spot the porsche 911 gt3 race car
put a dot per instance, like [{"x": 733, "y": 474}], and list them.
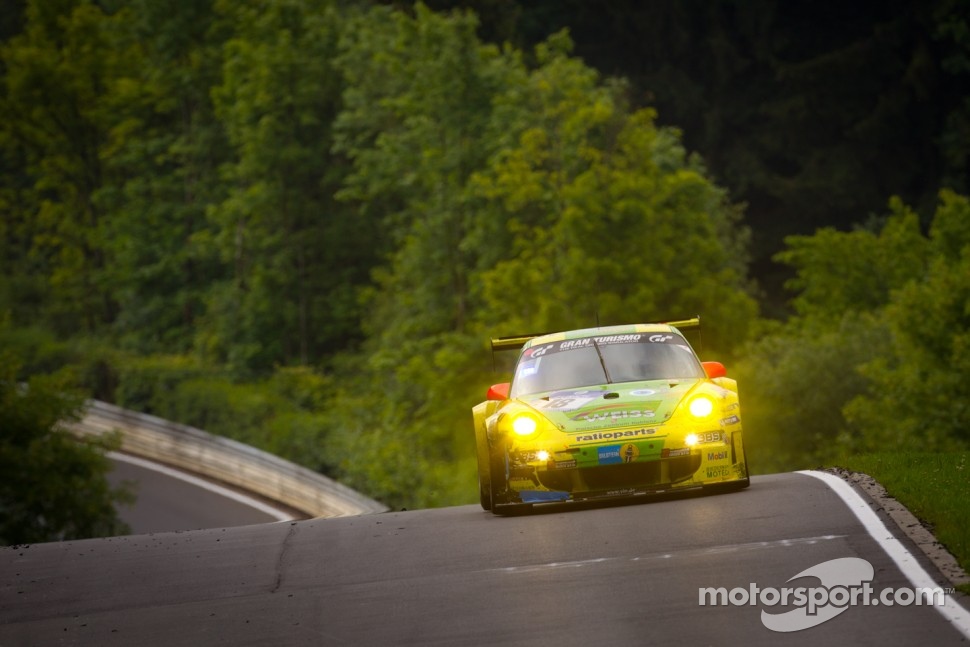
[{"x": 607, "y": 412}]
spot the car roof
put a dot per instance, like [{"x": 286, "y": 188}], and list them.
[{"x": 603, "y": 331}]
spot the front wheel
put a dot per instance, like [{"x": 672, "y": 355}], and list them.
[
  {"x": 485, "y": 493},
  {"x": 498, "y": 480},
  {"x": 512, "y": 509},
  {"x": 747, "y": 474}
]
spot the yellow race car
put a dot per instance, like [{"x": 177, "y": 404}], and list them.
[{"x": 607, "y": 412}]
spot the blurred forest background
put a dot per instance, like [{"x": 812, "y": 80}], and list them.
[{"x": 298, "y": 222}]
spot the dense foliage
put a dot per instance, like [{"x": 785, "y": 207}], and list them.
[
  {"x": 297, "y": 222},
  {"x": 876, "y": 357},
  {"x": 812, "y": 112},
  {"x": 53, "y": 486}
]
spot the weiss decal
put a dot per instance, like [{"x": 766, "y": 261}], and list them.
[{"x": 614, "y": 416}]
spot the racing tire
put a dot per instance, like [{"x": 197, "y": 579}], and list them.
[
  {"x": 498, "y": 483},
  {"x": 725, "y": 488},
  {"x": 499, "y": 491},
  {"x": 512, "y": 509},
  {"x": 746, "y": 482},
  {"x": 485, "y": 493}
]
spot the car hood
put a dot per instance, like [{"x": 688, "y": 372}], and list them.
[{"x": 611, "y": 405}]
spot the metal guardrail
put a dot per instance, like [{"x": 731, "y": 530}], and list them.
[{"x": 226, "y": 460}]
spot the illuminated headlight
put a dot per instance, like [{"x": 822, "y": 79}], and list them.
[
  {"x": 691, "y": 440},
  {"x": 701, "y": 406},
  {"x": 524, "y": 425},
  {"x": 542, "y": 455}
]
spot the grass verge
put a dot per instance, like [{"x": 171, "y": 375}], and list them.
[{"x": 933, "y": 486}]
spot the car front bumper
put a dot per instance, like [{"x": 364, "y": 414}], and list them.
[{"x": 612, "y": 470}]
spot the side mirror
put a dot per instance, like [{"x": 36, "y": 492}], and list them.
[
  {"x": 498, "y": 392},
  {"x": 714, "y": 369}
]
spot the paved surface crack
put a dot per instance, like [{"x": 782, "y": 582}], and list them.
[{"x": 281, "y": 558}]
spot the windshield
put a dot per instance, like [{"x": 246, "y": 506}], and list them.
[{"x": 604, "y": 360}]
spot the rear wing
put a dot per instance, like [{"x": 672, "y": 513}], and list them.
[
  {"x": 516, "y": 342},
  {"x": 685, "y": 324},
  {"x": 690, "y": 324}
]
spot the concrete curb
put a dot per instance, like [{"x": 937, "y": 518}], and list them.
[{"x": 908, "y": 524}]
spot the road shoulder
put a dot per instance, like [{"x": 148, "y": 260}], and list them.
[{"x": 908, "y": 524}]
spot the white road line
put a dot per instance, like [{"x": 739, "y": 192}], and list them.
[
  {"x": 279, "y": 515},
  {"x": 696, "y": 552},
  {"x": 907, "y": 563}
]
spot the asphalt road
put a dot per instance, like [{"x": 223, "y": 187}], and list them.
[
  {"x": 168, "y": 499},
  {"x": 618, "y": 575}
]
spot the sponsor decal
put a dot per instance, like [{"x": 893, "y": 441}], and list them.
[
  {"x": 615, "y": 412},
  {"x": 711, "y": 437},
  {"x": 575, "y": 343},
  {"x": 527, "y": 368},
  {"x": 673, "y": 453},
  {"x": 563, "y": 403},
  {"x": 562, "y": 465},
  {"x": 606, "y": 340},
  {"x": 641, "y": 392},
  {"x": 613, "y": 435},
  {"x": 609, "y": 455},
  {"x": 573, "y": 393},
  {"x": 572, "y": 344},
  {"x": 732, "y": 420},
  {"x": 717, "y": 456},
  {"x": 538, "y": 351},
  {"x": 616, "y": 415},
  {"x": 624, "y": 492},
  {"x": 630, "y": 452},
  {"x": 618, "y": 339},
  {"x": 718, "y": 471}
]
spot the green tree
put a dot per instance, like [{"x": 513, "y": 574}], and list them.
[
  {"x": 53, "y": 485},
  {"x": 795, "y": 381},
  {"x": 297, "y": 256},
  {"x": 416, "y": 106},
  {"x": 611, "y": 221},
  {"x": 418, "y": 99},
  {"x": 53, "y": 122},
  {"x": 163, "y": 152},
  {"x": 810, "y": 114},
  {"x": 917, "y": 395},
  {"x": 839, "y": 271},
  {"x": 953, "y": 30},
  {"x": 876, "y": 356}
]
